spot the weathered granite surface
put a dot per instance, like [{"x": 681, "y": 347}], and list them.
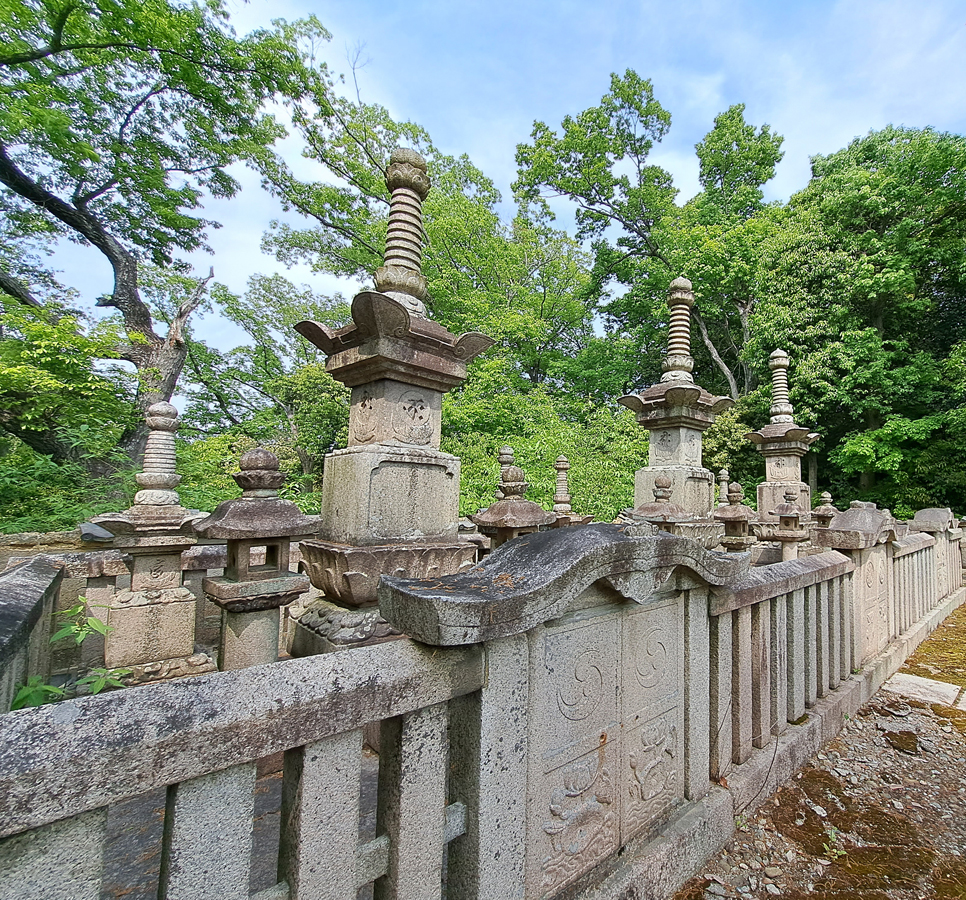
[{"x": 535, "y": 578}]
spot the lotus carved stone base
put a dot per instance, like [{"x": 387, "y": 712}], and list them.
[{"x": 349, "y": 575}]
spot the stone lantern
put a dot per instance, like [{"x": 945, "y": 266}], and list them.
[
  {"x": 514, "y": 515},
  {"x": 676, "y": 411},
  {"x": 251, "y": 593},
  {"x": 790, "y": 532},
  {"x": 667, "y": 516},
  {"x": 824, "y": 513},
  {"x": 737, "y": 519},
  {"x": 783, "y": 444}
]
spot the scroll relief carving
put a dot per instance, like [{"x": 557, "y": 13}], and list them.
[
  {"x": 583, "y": 824},
  {"x": 587, "y": 690},
  {"x": 651, "y": 664},
  {"x": 412, "y": 420}
]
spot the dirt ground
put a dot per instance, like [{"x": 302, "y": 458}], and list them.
[{"x": 879, "y": 814}]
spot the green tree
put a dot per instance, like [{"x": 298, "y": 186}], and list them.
[
  {"x": 116, "y": 117},
  {"x": 866, "y": 291},
  {"x": 274, "y": 390}
]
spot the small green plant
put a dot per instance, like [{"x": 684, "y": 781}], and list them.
[
  {"x": 37, "y": 692},
  {"x": 832, "y": 847},
  {"x": 80, "y": 626},
  {"x": 101, "y": 679},
  {"x": 741, "y": 823}
]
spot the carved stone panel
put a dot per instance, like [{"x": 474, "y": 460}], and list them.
[
  {"x": 606, "y": 734},
  {"x": 390, "y": 412},
  {"x": 380, "y": 493},
  {"x": 653, "y": 772},
  {"x": 581, "y": 821},
  {"x": 652, "y": 714},
  {"x": 575, "y": 672},
  {"x": 675, "y": 446}
]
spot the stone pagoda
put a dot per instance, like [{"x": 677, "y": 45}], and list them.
[
  {"x": 783, "y": 444},
  {"x": 152, "y": 624},
  {"x": 676, "y": 412},
  {"x": 390, "y": 500}
]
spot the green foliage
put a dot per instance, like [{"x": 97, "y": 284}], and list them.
[
  {"x": 132, "y": 109},
  {"x": 36, "y": 692},
  {"x": 38, "y": 494},
  {"x": 100, "y": 679},
  {"x": 604, "y": 446},
  {"x": 49, "y": 374},
  {"x": 78, "y": 625}
]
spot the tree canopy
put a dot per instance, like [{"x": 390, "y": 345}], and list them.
[{"x": 119, "y": 118}]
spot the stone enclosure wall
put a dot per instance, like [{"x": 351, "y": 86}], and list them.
[{"x": 581, "y": 715}]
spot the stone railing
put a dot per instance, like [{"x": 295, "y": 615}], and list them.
[
  {"x": 63, "y": 766},
  {"x": 781, "y": 639},
  {"x": 562, "y": 724},
  {"x": 915, "y": 585}
]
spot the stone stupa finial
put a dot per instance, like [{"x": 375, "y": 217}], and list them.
[
  {"x": 158, "y": 478},
  {"x": 561, "y": 497},
  {"x": 401, "y": 274},
  {"x": 678, "y": 364},
  {"x": 781, "y": 410}
]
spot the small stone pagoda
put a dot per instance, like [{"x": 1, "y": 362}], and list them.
[
  {"x": 783, "y": 444},
  {"x": 152, "y": 624},
  {"x": 390, "y": 500},
  {"x": 514, "y": 514},
  {"x": 676, "y": 412}
]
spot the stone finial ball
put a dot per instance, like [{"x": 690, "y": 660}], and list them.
[
  {"x": 663, "y": 482},
  {"x": 778, "y": 358},
  {"x": 680, "y": 284},
  {"x": 791, "y": 495},
  {"x": 735, "y": 488},
  {"x": 163, "y": 410},
  {"x": 407, "y": 156},
  {"x": 258, "y": 459},
  {"x": 562, "y": 462},
  {"x": 826, "y": 498}
]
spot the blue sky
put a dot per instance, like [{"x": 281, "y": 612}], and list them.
[{"x": 477, "y": 74}]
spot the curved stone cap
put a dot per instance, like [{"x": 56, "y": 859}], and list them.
[
  {"x": 252, "y": 518},
  {"x": 857, "y": 528},
  {"x": 513, "y": 512},
  {"x": 385, "y": 341},
  {"x": 666, "y": 398},
  {"x": 934, "y": 519},
  {"x": 785, "y": 432},
  {"x": 537, "y": 577}
]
